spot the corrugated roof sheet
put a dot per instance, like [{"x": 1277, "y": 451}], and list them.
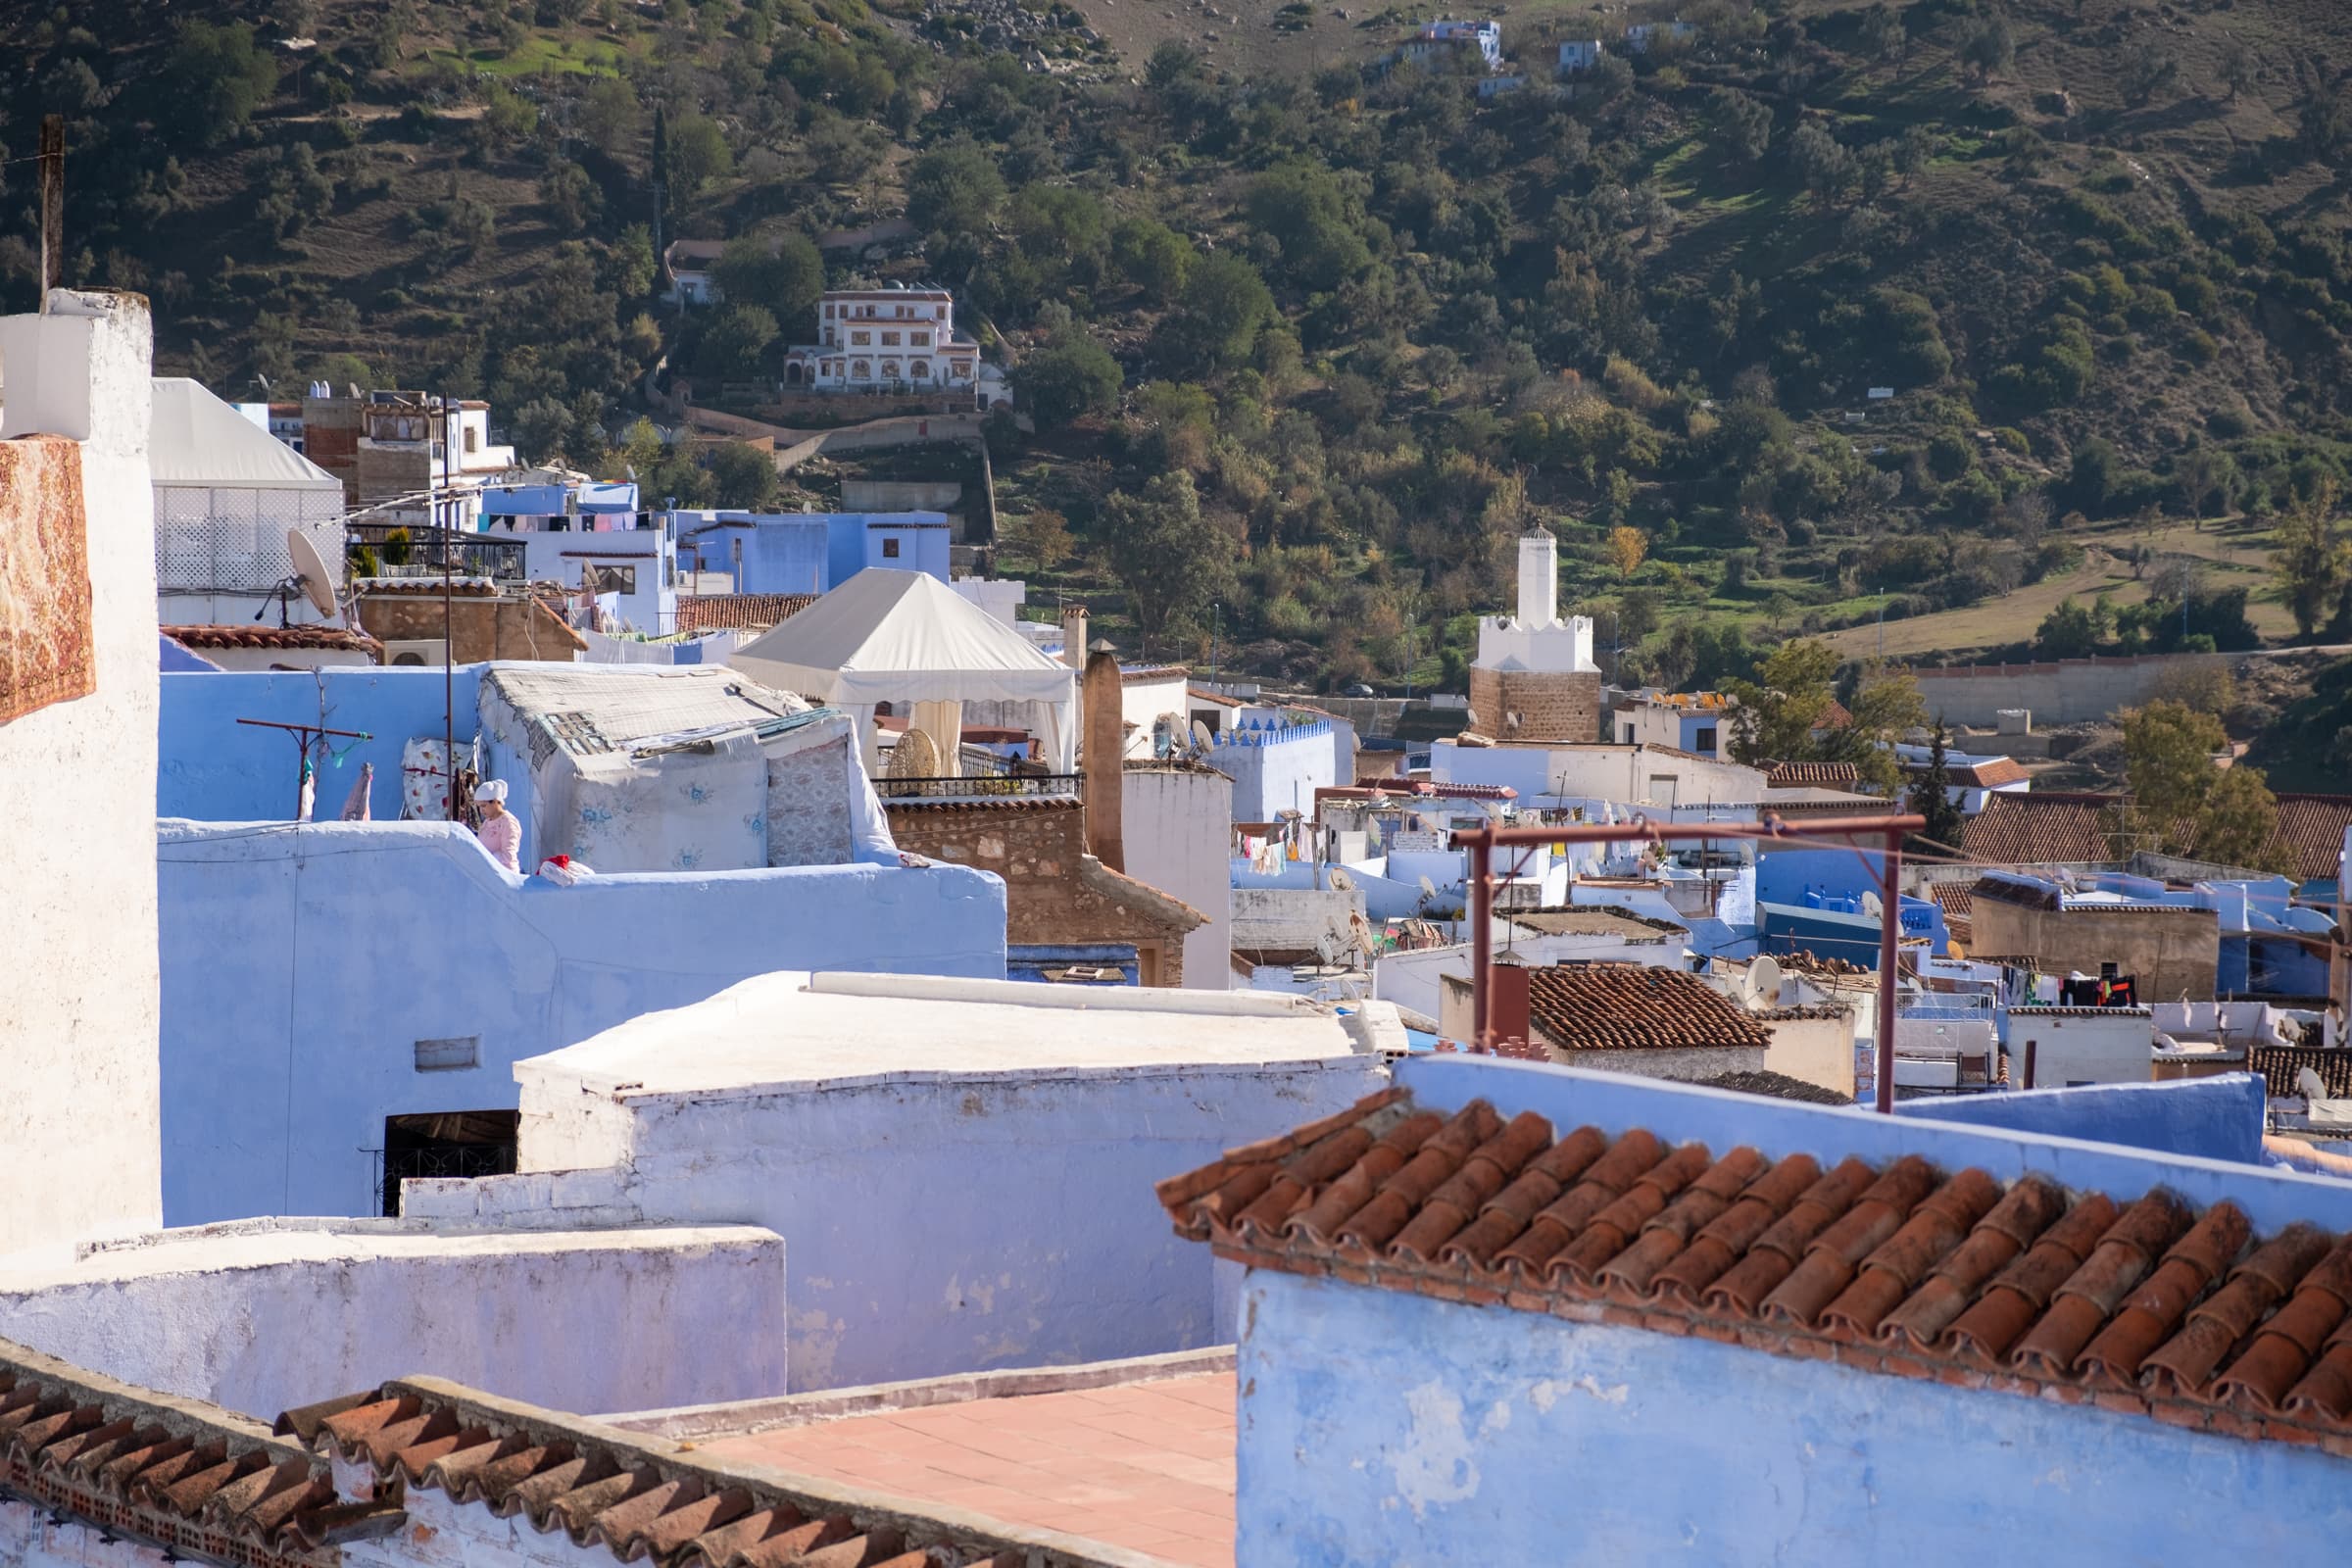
[
  {"x": 1631, "y": 1007},
  {"x": 2136, "y": 1303}
]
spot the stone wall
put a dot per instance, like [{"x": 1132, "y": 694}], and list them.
[
  {"x": 479, "y": 628},
  {"x": 2173, "y": 951},
  {"x": 1054, "y": 893},
  {"x": 1562, "y": 706},
  {"x": 2070, "y": 690}
]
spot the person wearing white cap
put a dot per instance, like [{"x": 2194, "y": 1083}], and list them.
[{"x": 500, "y": 833}]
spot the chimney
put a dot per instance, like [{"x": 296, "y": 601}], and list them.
[
  {"x": 1106, "y": 760},
  {"x": 1073, "y": 636},
  {"x": 1508, "y": 1011},
  {"x": 1538, "y": 579}
]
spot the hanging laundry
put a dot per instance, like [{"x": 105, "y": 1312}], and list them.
[
  {"x": 357, "y": 809},
  {"x": 309, "y": 789}
]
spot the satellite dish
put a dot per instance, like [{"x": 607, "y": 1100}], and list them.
[
  {"x": 1764, "y": 981},
  {"x": 1872, "y": 907},
  {"x": 1340, "y": 881},
  {"x": 310, "y": 567},
  {"x": 2309, "y": 1082},
  {"x": 1200, "y": 735},
  {"x": 1429, "y": 889}
]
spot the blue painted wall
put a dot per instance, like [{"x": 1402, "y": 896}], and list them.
[
  {"x": 215, "y": 769},
  {"x": 2214, "y": 1118},
  {"x": 923, "y": 548},
  {"x": 1380, "y": 1426},
  {"x": 300, "y": 965}
]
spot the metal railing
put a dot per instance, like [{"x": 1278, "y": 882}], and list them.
[
  {"x": 470, "y": 555},
  {"x": 984, "y": 787}
]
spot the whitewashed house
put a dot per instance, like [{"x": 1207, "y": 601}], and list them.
[{"x": 885, "y": 340}]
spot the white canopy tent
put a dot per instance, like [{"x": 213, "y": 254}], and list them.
[
  {"x": 906, "y": 638},
  {"x": 227, "y": 494}
]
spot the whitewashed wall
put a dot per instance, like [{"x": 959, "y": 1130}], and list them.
[{"x": 79, "y": 1003}]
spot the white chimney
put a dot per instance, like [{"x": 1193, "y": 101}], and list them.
[
  {"x": 1539, "y": 580},
  {"x": 1073, "y": 636}
]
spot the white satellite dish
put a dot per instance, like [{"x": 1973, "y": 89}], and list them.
[
  {"x": 1871, "y": 906},
  {"x": 1201, "y": 739},
  {"x": 1340, "y": 881},
  {"x": 1429, "y": 889},
  {"x": 311, "y": 570},
  {"x": 1764, "y": 981},
  {"x": 2309, "y": 1082}
]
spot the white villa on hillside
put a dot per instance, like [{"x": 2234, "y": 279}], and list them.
[{"x": 886, "y": 340}]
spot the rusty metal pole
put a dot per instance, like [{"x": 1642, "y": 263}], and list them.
[
  {"x": 1482, "y": 941},
  {"x": 1889, "y": 922}
]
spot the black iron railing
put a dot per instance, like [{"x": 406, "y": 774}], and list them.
[
  {"x": 470, "y": 555},
  {"x": 986, "y": 787}
]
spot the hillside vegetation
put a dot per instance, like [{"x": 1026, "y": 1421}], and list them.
[{"x": 1307, "y": 343}]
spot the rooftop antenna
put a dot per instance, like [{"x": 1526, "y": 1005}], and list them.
[{"x": 52, "y": 178}]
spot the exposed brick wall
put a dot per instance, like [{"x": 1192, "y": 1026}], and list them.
[
  {"x": 1561, "y": 706},
  {"x": 1037, "y": 847}
]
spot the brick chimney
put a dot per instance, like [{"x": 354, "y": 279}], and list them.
[
  {"x": 1073, "y": 636},
  {"x": 1105, "y": 762}
]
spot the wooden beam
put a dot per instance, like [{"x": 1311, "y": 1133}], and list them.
[{"x": 53, "y": 204}]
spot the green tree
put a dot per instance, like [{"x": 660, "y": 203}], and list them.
[
  {"x": 783, "y": 277},
  {"x": 1044, "y": 535},
  {"x": 744, "y": 477},
  {"x": 1224, "y": 307},
  {"x": 1308, "y": 211},
  {"x": 1742, "y": 123},
  {"x": 2182, "y": 803},
  {"x": 1071, "y": 376},
  {"x": 1784, "y": 705},
  {"x": 1989, "y": 49},
  {"x": 2145, "y": 71},
  {"x": 1885, "y": 707},
  {"x": 212, "y": 80},
  {"x": 737, "y": 339},
  {"x": 1883, "y": 35},
  {"x": 610, "y": 116},
  {"x": 954, "y": 189},
  {"x": 2312, "y": 559},
  {"x": 1172, "y": 560},
  {"x": 1151, "y": 255},
  {"x": 1931, "y": 798},
  {"x": 698, "y": 154},
  {"x": 1822, "y": 162},
  {"x": 2237, "y": 65}
]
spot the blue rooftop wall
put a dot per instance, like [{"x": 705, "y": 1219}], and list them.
[
  {"x": 214, "y": 770},
  {"x": 300, "y": 965},
  {"x": 2213, "y": 1118},
  {"x": 1379, "y": 1426}
]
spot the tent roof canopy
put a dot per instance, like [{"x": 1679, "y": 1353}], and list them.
[
  {"x": 196, "y": 439},
  {"x": 901, "y": 636}
]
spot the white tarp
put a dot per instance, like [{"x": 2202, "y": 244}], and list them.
[
  {"x": 904, "y": 637},
  {"x": 194, "y": 438}
]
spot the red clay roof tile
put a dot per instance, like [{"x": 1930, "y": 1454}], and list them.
[
  {"x": 738, "y": 612},
  {"x": 1629, "y": 1006},
  {"x": 606, "y": 1489},
  {"x": 2143, "y": 1306}
]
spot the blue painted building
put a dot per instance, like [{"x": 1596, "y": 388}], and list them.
[
  {"x": 1277, "y": 761},
  {"x": 814, "y": 551},
  {"x": 597, "y": 501},
  {"x": 1613, "y": 1321}
]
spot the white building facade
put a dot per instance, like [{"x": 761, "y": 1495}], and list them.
[{"x": 885, "y": 340}]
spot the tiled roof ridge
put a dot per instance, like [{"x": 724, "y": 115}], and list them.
[
  {"x": 2138, "y": 1305},
  {"x": 638, "y": 1497},
  {"x": 1810, "y": 1009},
  {"x": 1782, "y": 776},
  {"x": 1136, "y": 894},
  {"x": 738, "y": 612},
  {"x": 230, "y": 636},
  {"x": 189, "y": 1477},
  {"x": 1605, "y": 1006}
]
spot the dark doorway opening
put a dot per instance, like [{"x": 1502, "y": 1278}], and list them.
[{"x": 444, "y": 1143}]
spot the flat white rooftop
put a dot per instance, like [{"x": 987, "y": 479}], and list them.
[{"x": 798, "y": 1031}]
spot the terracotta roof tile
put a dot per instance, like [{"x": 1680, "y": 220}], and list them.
[
  {"x": 2041, "y": 826},
  {"x": 2280, "y": 1064},
  {"x": 2145, "y": 1305},
  {"x": 1628, "y": 1006},
  {"x": 738, "y": 612},
  {"x": 1991, "y": 773},
  {"x": 1956, "y": 900},
  {"x": 268, "y": 637},
  {"x": 635, "y": 1498},
  {"x": 1791, "y": 775},
  {"x": 2310, "y": 834},
  {"x": 166, "y": 1472}
]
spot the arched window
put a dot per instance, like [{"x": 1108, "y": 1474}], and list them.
[
  {"x": 861, "y": 371},
  {"x": 920, "y": 370}
]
